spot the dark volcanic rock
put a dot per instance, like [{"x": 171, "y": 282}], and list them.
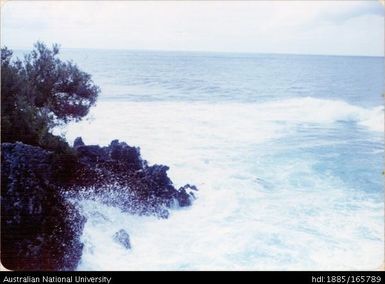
[
  {"x": 78, "y": 142},
  {"x": 89, "y": 154},
  {"x": 123, "y": 238},
  {"x": 158, "y": 175},
  {"x": 39, "y": 229},
  {"x": 138, "y": 188},
  {"x": 126, "y": 154}
]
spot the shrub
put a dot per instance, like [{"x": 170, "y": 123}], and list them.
[{"x": 41, "y": 92}]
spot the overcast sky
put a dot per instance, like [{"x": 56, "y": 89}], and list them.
[{"x": 303, "y": 27}]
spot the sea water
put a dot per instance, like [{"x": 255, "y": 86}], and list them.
[{"x": 286, "y": 150}]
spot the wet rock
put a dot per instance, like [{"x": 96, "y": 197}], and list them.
[
  {"x": 90, "y": 154},
  {"x": 39, "y": 229},
  {"x": 120, "y": 151},
  {"x": 123, "y": 238},
  {"x": 78, "y": 142},
  {"x": 185, "y": 196},
  {"x": 184, "y": 199},
  {"x": 158, "y": 174},
  {"x": 189, "y": 186},
  {"x": 138, "y": 188}
]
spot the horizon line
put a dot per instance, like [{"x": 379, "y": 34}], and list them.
[{"x": 207, "y": 51}]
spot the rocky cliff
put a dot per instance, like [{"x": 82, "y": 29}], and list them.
[{"x": 41, "y": 224}]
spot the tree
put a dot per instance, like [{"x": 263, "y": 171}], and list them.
[{"x": 41, "y": 92}]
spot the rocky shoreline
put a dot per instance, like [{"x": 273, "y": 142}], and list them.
[{"x": 41, "y": 228}]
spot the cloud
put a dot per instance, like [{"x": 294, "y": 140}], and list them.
[
  {"x": 341, "y": 13},
  {"x": 329, "y": 27}
]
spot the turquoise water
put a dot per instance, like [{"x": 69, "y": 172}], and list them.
[{"x": 287, "y": 151}]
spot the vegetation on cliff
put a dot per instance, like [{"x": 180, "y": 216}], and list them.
[
  {"x": 40, "y": 226},
  {"x": 40, "y": 92}
]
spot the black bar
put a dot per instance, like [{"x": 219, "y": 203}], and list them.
[{"x": 115, "y": 277}]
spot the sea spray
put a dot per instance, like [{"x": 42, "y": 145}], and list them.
[
  {"x": 269, "y": 180},
  {"x": 286, "y": 151}
]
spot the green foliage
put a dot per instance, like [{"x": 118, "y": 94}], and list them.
[{"x": 40, "y": 92}]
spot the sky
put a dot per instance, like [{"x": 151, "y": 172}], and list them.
[{"x": 300, "y": 27}]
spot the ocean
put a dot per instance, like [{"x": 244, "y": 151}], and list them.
[{"x": 286, "y": 150}]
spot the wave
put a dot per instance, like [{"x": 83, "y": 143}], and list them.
[
  {"x": 198, "y": 128},
  {"x": 314, "y": 110},
  {"x": 263, "y": 202},
  {"x": 236, "y": 122}
]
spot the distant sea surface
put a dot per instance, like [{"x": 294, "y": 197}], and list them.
[{"x": 286, "y": 150}]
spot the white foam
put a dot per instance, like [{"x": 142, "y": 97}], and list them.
[
  {"x": 373, "y": 119},
  {"x": 228, "y": 120},
  {"x": 313, "y": 110},
  {"x": 295, "y": 219}
]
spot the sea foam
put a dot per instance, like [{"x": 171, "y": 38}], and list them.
[{"x": 269, "y": 196}]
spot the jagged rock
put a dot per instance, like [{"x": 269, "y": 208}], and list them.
[
  {"x": 39, "y": 229},
  {"x": 189, "y": 186},
  {"x": 158, "y": 174},
  {"x": 91, "y": 153},
  {"x": 78, "y": 142},
  {"x": 120, "y": 151},
  {"x": 123, "y": 238},
  {"x": 184, "y": 199},
  {"x": 142, "y": 189}
]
